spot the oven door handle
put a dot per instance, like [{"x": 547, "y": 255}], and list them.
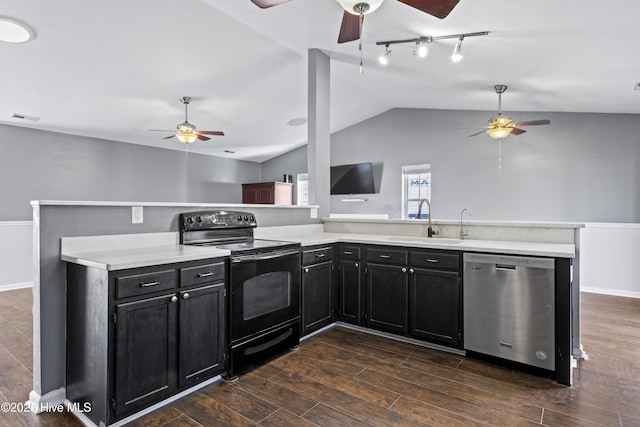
[{"x": 261, "y": 257}]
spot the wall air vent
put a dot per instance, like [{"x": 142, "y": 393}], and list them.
[
  {"x": 229, "y": 151},
  {"x": 24, "y": 117}
]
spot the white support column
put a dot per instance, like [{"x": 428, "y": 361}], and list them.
[{"x": 319, "y": 135}]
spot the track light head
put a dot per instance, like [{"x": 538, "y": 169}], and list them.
[
  {"x": 384, "y": 58},
  {"x": 457, "y": 51},
  {"x": 421, "y": 49}
]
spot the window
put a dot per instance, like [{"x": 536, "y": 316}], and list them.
[
  {"x": 416, "y": 185},
  {"x": 302, "y": 192}
]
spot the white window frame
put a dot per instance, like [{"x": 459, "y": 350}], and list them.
[
  {"x": 302, "y": 189},
  {"x": 424, "y": 170}
]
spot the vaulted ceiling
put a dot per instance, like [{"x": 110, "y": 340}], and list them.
[{"x": 115, "y": 69}]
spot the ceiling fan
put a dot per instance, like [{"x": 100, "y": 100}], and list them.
[
  {"x": 186, "y": 132},
  {"x": 351, "y": 28},
  {"x": 502, "y": 126}
]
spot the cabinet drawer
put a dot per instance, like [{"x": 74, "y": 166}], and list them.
[
  {"x": 201, "y": 274},
  {"x": 317, "y": 255},
  {"x": 387, "y": 256},
  {"x": 349, "y": 252},
  {"x": 140, "y": 284},
  {"x": 435, "y": 259}
]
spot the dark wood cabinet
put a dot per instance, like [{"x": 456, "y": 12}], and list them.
[
  {"x": 318, "y": 289},
  {"x": 352, "y": 294},
  {"x": 387, "y": 289},
  {"x": 135, "y": 337},
  {"x": 274, "y": 193},
  {"x": 435, "y": 297}
]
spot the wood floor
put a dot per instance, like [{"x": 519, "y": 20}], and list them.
[{"x": 348, "y": 378}]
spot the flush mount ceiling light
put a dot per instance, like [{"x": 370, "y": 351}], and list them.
[
  {"x": 12, "y": 31},
  {"x": 421, "y": 43}
]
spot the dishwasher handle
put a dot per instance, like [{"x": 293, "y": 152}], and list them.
[{"x": 505, "y": 267}]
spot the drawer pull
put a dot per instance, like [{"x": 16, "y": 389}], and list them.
[
  {"x": 347, "y": 253},
  {"x": 434, "y": 261},
  {"x": 149, "y": 284},
  {"x": 207, "y": 274},
  {"x": 320, "y": 255},
  {"x": 174, "y": 299},
  {"x": 385, "y": 256},
  {"x": 185, "y": 295},
  {"x": 404, "y": 269},
  {"x": 411, "y": 270},
  {"x": 356, "y": 265},
  {"x": 306, "y": 270}
]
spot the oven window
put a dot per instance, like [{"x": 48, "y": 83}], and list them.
[{"x": 266, "y": 293}]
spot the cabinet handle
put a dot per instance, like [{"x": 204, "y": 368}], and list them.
[
  {"x": 356, "y": 265},
  {"x": 185, "y": 295},
  {"x": 385, "y": 256},
  {"x": 306, "y": 270},
  {"x": 174, "y": 299},
  {"x": 434, "y": 261},
  {"x": 411, "y": 270},
  {"x": 404, "y": 269},
  {"x": 146, "y": 285},
  {"x": 347, "y": 253},
  {"x": 320, "y": 255},
  {"x": 207, "y": 274}
]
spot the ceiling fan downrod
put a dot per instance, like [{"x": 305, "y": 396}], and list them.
[{"x": 500, "y": 89}]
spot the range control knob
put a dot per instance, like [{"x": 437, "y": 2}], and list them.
[
  {"x": 239, "y": 217},
  {"x": 199, "y": 219},
  {"x": 189, "y": 220},
  {"x": 246, "y": 217},
  {"x": 253, "y": 218}
]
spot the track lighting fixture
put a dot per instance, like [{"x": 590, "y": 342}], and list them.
[
  {"x": 421, "y": 45},
  {"x": 384, "y": 58},
  {"x": 457, "y": 51}
]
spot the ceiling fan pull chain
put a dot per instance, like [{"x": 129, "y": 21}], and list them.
[{"x": 360, "y": 41}]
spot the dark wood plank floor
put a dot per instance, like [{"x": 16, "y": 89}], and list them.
[{"x": 348, "y": 378}]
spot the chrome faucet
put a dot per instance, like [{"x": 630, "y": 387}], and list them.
[
  {"x": 430, "y": 231},
  {"x": 462, "y": 232}
]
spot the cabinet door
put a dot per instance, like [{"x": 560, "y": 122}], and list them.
[
  {"x": 250, "y": 195},
  {"x": 351, "y": 295},
  {"x": 266, "y": 195},
  {"x": 435, "y": 305},
  {"x": 145, "y": 352},
  {"x": 202, "y": 326},
  {"x": 387, "y": 291},
  {"x": 317, "y": 296}
]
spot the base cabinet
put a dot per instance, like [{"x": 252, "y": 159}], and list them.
[
  {"x": 318, "y": 289},
  {"x": 136, "y": 337},
  {"x": 352, "y": 295}
]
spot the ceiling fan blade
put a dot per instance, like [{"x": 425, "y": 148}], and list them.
[
  {"x": 516, "y": 131},
  {"x": 263, "y": 4},
  {"x": 211, "y": 132},
  {"x": 203, "y": 138},
  {"x": 533, "y": 123},
  {"x": 350, "y": 28},
  {"x": 438, "y": 8},
  {"x": 477, "y": 133},
  {"x": 169, "y": 137}
]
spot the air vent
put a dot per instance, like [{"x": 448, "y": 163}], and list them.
[
  {"x": 229, "y": 151},
  {"x": 24, "y": 117}
]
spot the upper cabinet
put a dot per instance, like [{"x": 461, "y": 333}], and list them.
[{"x": 272, "y": 193}]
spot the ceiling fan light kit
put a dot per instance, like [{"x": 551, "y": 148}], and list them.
[
  {"x": 422, "y": 41},
  {"x": 185, "y": 131}
]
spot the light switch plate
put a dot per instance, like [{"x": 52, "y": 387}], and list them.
[{"x": 136, "y": 215}]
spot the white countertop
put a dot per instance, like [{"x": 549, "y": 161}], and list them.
[
  {"x": 561, "y": 250},
  {"x": 120, "y": 259}
]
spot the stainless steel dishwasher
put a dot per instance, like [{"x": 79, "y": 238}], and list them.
[{"x": 509, "y": 308}]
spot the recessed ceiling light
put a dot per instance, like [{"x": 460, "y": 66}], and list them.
[
  {"x": 298, "y": 121},
  {"x": 12, "y": 31}
]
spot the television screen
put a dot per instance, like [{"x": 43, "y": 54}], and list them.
[{"x": 352, "y": 179}]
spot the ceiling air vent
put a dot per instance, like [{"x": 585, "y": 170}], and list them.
[{"x": 24, "y": 117}]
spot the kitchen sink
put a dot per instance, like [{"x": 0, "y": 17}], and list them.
[{"x": 441, "y": 240}]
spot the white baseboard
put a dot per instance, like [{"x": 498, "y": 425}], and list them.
[
  {"x": 612, "y": 292},
  {"x": 48, "y": 402},
  {"x": 14, "y": 286}
]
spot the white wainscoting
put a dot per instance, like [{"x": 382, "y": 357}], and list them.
[
  {"x": 608, "y": 256},
  {"x": 16, "y": 254}
]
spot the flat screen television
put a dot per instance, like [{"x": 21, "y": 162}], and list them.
[{"x": 352, "y": 179}]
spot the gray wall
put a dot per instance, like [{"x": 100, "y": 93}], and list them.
[
  {"x": 41, "y": 165},
  {"x": 582, "y": 167},
  {"x": 291, "y": 163}
]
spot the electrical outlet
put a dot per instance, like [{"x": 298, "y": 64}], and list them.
[
  {"x": 314, "y": 213},
  {"x": 136, "y": 215}
]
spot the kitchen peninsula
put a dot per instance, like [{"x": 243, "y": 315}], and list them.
[{"x": 56, "y": 220}]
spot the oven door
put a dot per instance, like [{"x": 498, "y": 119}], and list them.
[{"x": 265, "y": 292}]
